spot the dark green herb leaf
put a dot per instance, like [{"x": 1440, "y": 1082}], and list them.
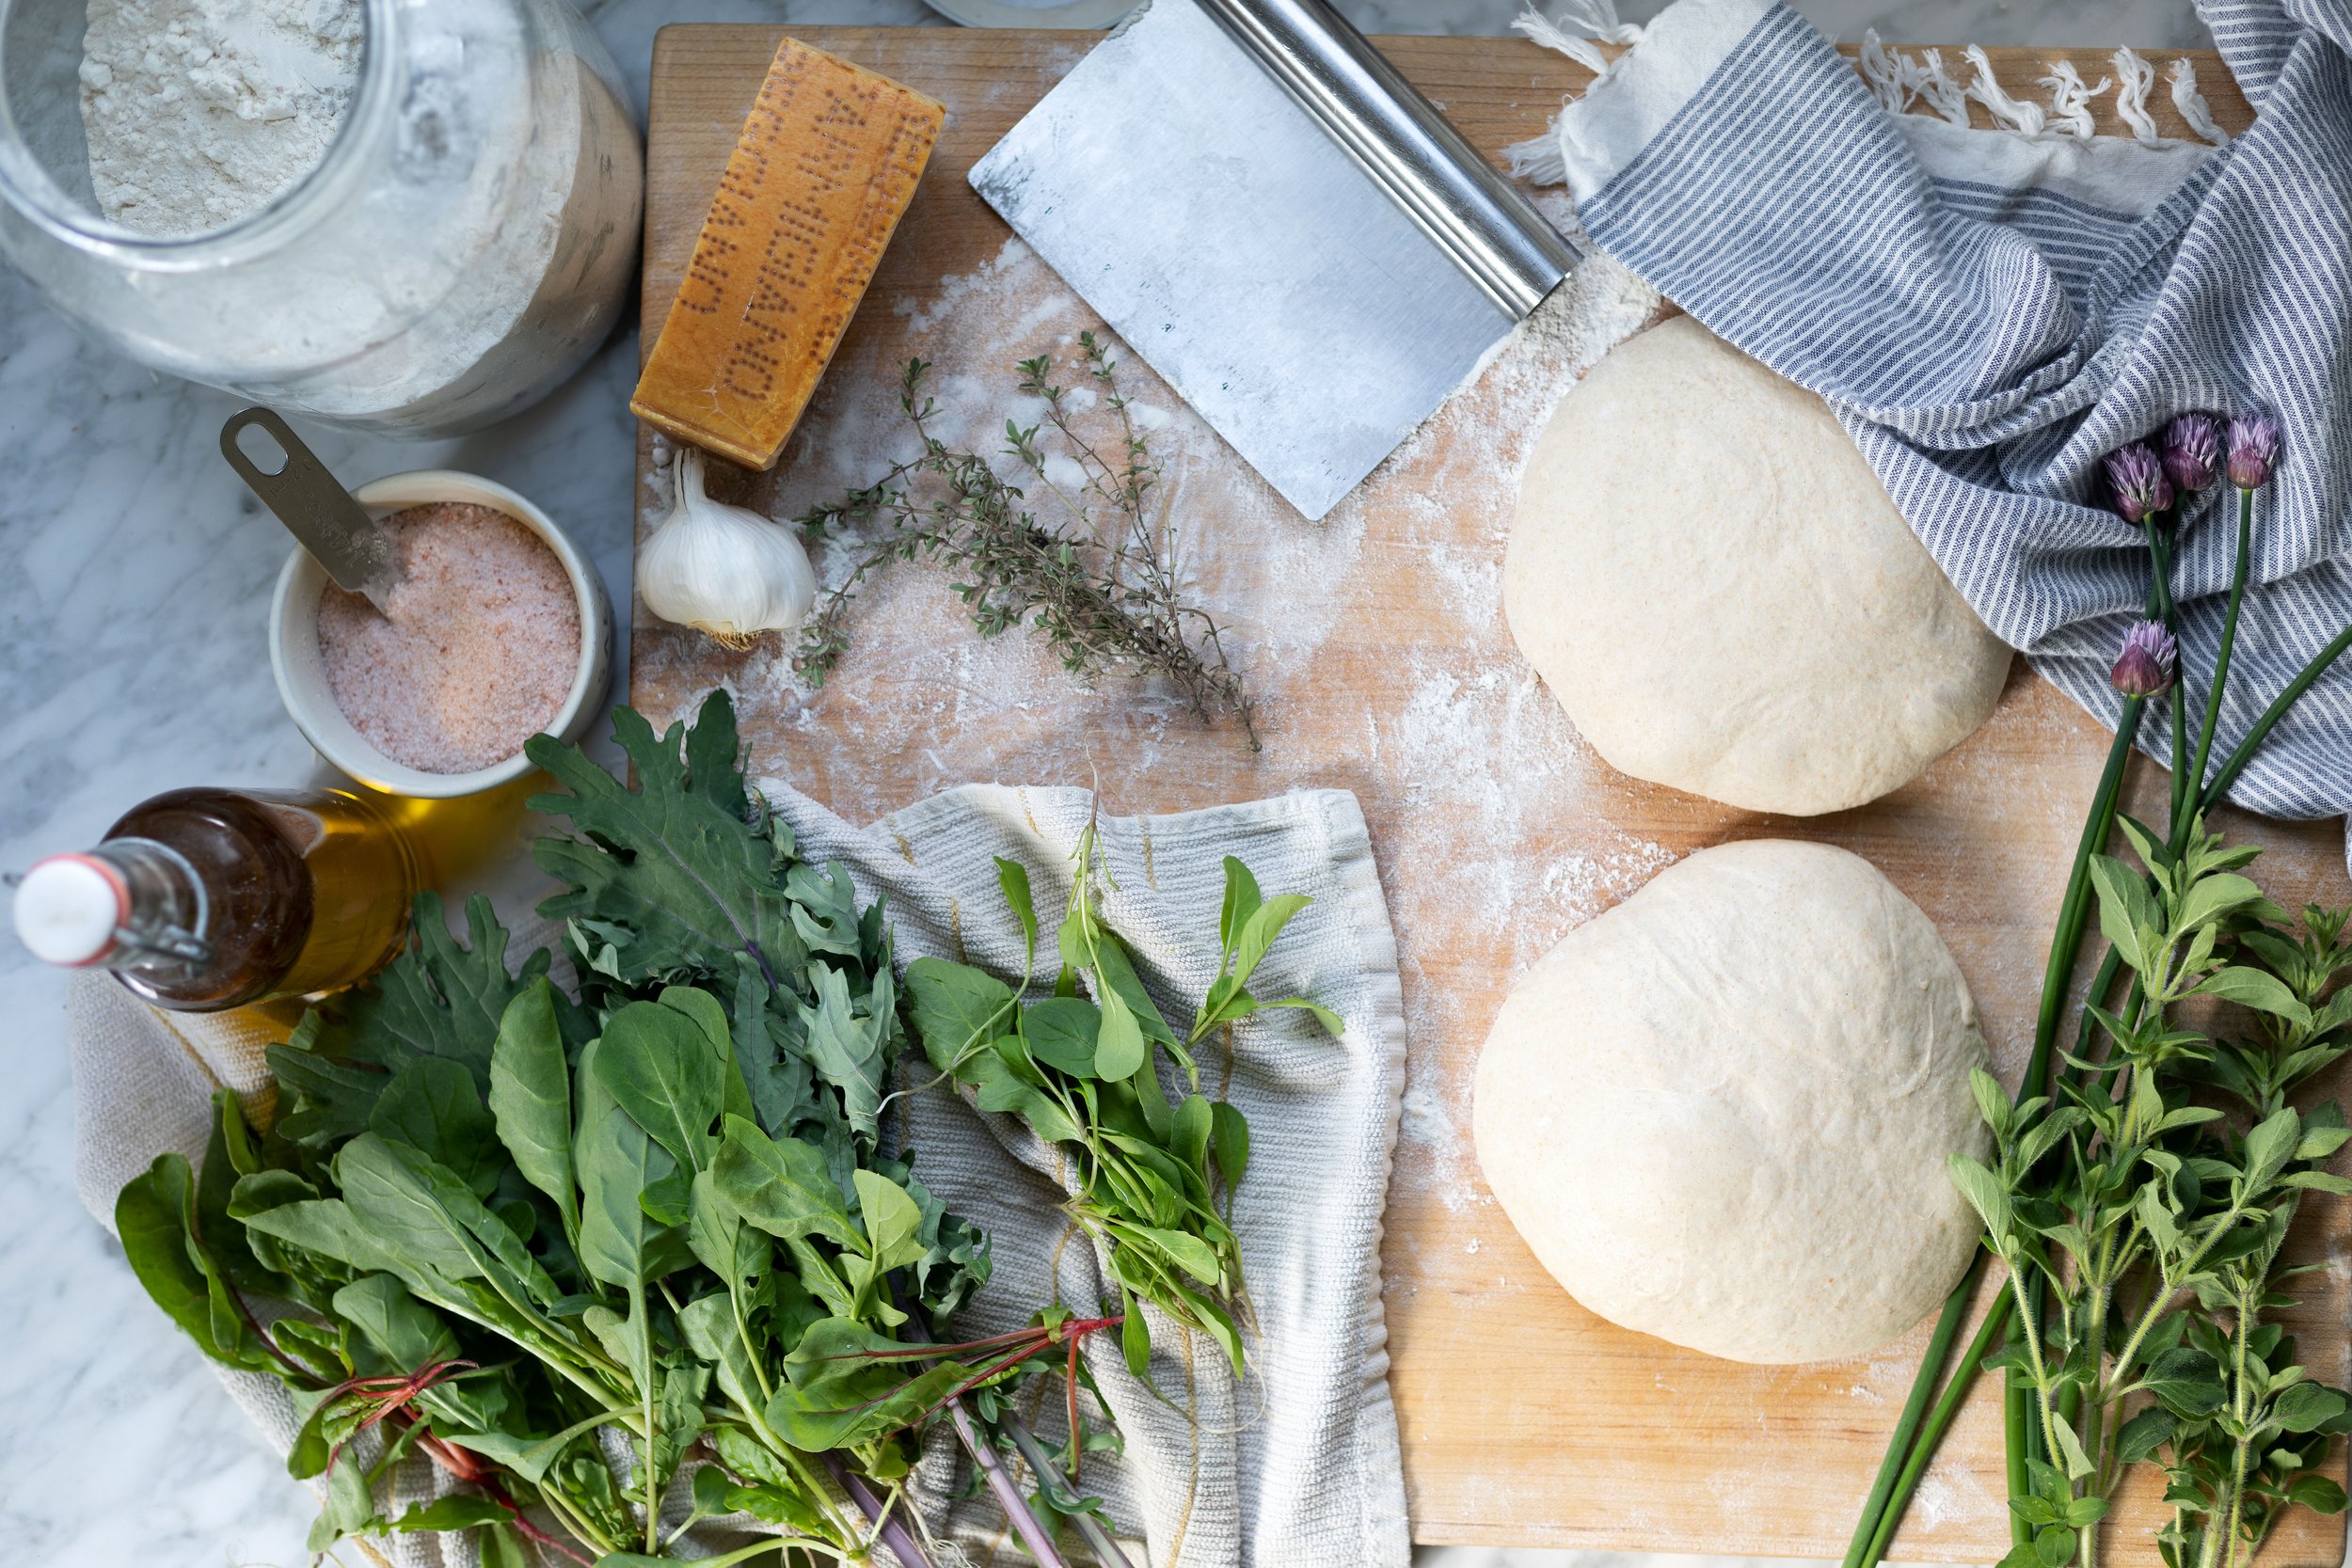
[
  {"x": 1062, "y": 1031},
  {"x": 457, "y": 1511},
  {"x": 617, "y": 1161},
  {"x": 782, "y": 1186},
  {"x": 1229, "y": 1137},
  {"x": 1014, "y": 878},
  {"x": 531, "y": 1097},
  {"x": 155, "y": 1218},
  {"x": 431, "y": 1105},
  {"x": 660, "y": 1068},
  {"x": 2251, "y": 988},
  {"x": 686, "y": 877}
]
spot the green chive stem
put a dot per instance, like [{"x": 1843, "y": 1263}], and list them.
[
  {"x": 1938, "y": 1422},
  {"x": 1914, "y": 1410},
  {"x": 2229, "y": 638},
  {"x": 2219, "y": 788}
]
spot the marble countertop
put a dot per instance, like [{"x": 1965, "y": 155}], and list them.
[{"x": 134, "y": 574}]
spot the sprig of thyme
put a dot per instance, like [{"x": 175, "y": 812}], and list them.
[{"x": 1102, "y": 588}]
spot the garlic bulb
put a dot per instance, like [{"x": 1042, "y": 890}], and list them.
[{"x": 721, "y": 569}]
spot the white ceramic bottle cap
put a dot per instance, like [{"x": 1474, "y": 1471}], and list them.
[{"x": 68, "y": 909}]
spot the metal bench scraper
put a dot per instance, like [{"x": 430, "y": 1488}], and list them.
[{"x": 1291, "y": 235}]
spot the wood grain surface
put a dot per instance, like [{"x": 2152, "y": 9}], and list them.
[{"x": 1376, "y": 645}]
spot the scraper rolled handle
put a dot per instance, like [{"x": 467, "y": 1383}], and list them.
[
  {"x": 1492, "y": 231},
  {"x": 316, "y": 509}
]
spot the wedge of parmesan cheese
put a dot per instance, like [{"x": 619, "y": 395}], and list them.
[{"x": 825, "y": 168}]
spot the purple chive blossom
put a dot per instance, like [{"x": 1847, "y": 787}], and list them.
[
  {"x": 2253, "y": 451},
  {"x": 2137, "y": 482},
  {"x": 2192, "y": 452},
  {"x": 2145, "y": 669}
]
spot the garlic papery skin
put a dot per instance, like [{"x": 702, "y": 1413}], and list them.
[{"x": 721, "y": 569}]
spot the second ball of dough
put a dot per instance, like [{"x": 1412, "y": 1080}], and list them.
[
  {"x": 1721, "y": 1112},
  {"x": 1715, "y": 586}
]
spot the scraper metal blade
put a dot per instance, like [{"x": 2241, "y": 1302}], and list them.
[{"x": 1291, "y": 236}]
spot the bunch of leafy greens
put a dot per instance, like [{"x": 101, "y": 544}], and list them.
[
  {"x": 1085, "y": 1074},
  {"x": 492, "y": 1223},
  {"x": 2140, "y": 1196},
  {"x": 1101, "y": 586}
]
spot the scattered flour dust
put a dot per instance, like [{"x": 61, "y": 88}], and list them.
[
  {"x": 201, "y": 112},
  {"x": 1373, "y": 641}
]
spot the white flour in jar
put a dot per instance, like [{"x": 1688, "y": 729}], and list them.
[
  {"x": 476, "y": 244},
  {"x": 201, "y": 112}
]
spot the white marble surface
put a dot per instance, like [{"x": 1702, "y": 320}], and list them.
[{"x": 133, "y": 576}]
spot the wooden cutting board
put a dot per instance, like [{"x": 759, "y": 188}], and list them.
[{"x": 1376, "y": 646}]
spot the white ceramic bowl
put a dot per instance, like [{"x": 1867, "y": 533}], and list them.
[{"x": 294, "y": 644}]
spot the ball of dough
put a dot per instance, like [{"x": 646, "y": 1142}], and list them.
[
  {"x": 1716, "y": 587},
  {"x": 1718, "y": 1113}
]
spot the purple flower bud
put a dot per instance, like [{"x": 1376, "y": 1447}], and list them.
[
  {"x": 2145, "y": 669},
  {"x": 2192, "y": 452},
  {"x": 2137, "y": 482},
  {"x": 2253, "y": 451}
]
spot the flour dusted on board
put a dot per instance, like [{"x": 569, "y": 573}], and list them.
[{"x": 201, "y": 112}]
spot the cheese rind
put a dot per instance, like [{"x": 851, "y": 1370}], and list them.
[{"x": 825, "y": 167}]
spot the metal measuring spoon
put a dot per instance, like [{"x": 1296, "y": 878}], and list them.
[{"x": 316, "y": 509}]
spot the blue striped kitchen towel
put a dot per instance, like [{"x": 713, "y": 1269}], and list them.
[{"x": 1989, "y": 310}]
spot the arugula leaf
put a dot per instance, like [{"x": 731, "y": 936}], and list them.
[
  {"x": 772, "y": 1053},
  {"x": 848, "y": 1043},
  {"x": 669, "y": 864},
  {"x": 439, "y": 998},
  {"x": 954, "y": 1261}
]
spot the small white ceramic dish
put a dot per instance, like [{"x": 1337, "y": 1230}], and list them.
[{"x": 294, "y": 644}]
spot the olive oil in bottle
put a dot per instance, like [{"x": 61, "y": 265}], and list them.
[{"x": 201, "y": 899}]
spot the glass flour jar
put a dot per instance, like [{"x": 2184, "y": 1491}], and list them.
[{"x": 463, "y": 241}]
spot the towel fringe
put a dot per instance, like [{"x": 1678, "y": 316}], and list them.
[
  {"x": 2133, "y": 76},
  {"x": 1938, "y": 90},
  {"x": 1897, "y": 80},
  {"x": 1538, "y": 160},
  {"x": 2008, "y": 114},
  {"x": 1582, "y": 25},
  {"x": 2069, "y": 99},
  {"x": 1888, "y": 72},
  {"x": 2191, "y": 102}
]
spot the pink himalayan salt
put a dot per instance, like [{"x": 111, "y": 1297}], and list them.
[{"x": 478, "y": 653}]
